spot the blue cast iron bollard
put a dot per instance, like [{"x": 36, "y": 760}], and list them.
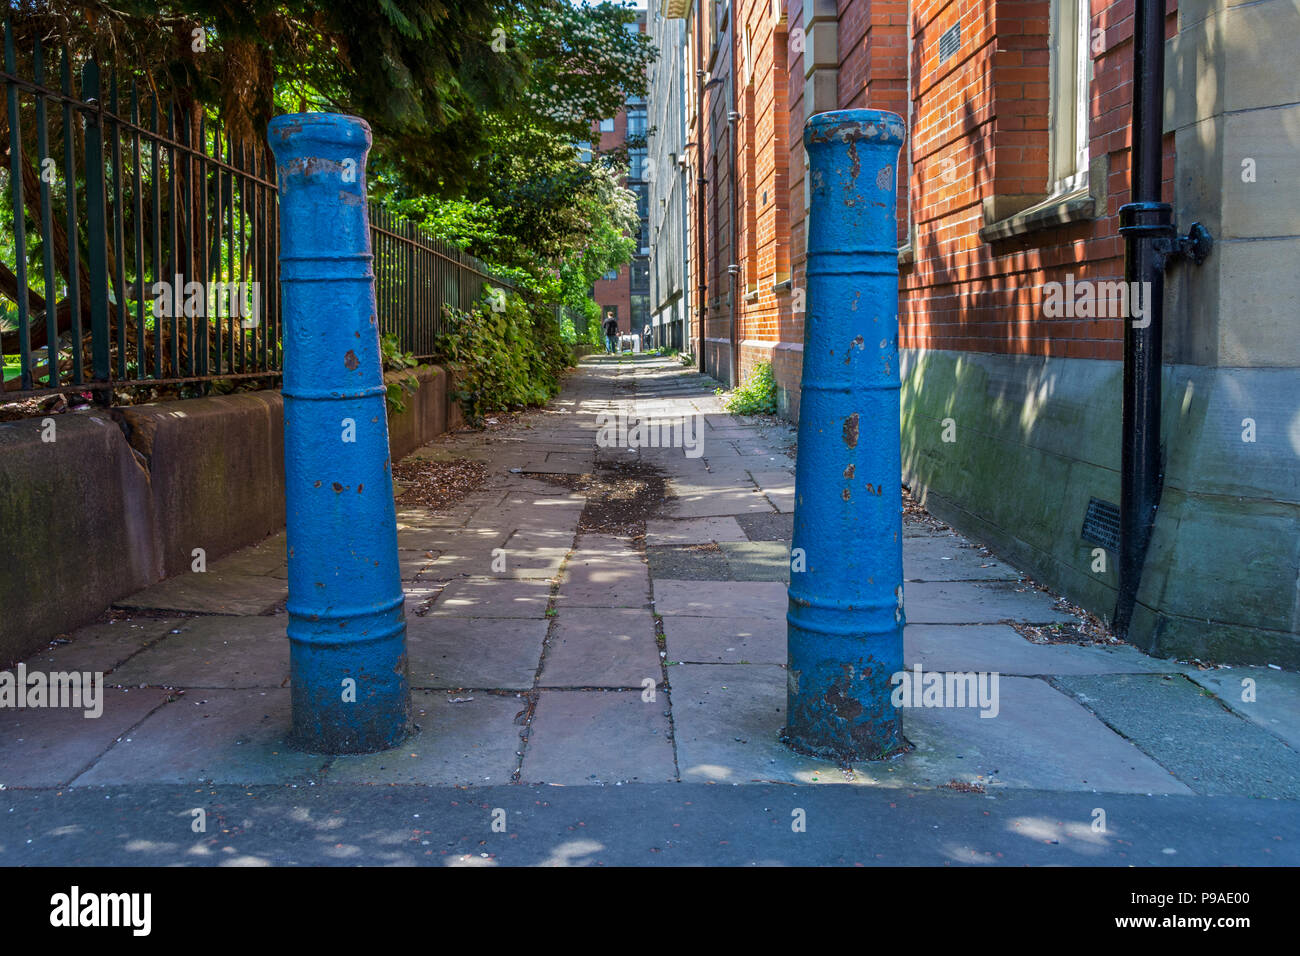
[
  {"x": 347, "y": 627},
  {"x": 845, "y": 620}
]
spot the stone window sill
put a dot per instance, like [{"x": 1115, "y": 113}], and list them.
[{"x": 1077, "y": 206}]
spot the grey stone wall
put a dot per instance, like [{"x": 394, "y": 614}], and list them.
[{"x": 121, "y": 498}]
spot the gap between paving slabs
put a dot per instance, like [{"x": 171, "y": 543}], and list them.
[{"x": 621, "y": 495}]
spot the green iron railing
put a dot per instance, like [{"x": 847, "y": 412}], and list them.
[{"x": 144, "y": 243}]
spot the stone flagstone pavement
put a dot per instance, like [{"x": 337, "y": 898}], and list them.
[{"x": 601, "y": 659}]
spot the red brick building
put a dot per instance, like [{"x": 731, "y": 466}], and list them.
[
  {"x": 983, "y": 169},
  {"x": 1009, "y": 188}
]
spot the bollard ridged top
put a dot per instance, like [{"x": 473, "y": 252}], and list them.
[
  {"x": 296, "y": 131},
  {"x": 875, "y": 126}
]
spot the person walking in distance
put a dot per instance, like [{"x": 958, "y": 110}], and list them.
[{"x": 611, "y": 334}]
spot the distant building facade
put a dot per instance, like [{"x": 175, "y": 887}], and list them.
[
  {"x": 669, "y": 174},
  {"x": 625, "y": 294}
]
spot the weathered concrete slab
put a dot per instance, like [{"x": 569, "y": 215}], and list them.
[
  {"x": 450, "y": 541},
  {"x": 411, "y": 563},
  {"x": 549, "y": 514},
  {"x": 1040, "y": 739},
  {"x": 571, "y": 455},
  {"x": 1276, "y": 703},
  {"x": 609, "y": 545},
  {"x": 101, "y": 647},
  {"x": 600, "y": 647},
  {"x": 473, "y": 742},
  {"x": 758, "y": 560},
  {"x": 450, "y": 651},
  {"x": 730, "y": 432},
  {"x": 548, "y": 495},
  {"x": 203, "y": 652},
  {"x": 726, "y": 722},
  {"x": 211, "y": 592},
  {"x": 221, "y": 736},
  {"x": 778, "y": 486},
  {"x": 693, "y": 531},
  {"x": 493, "y": 597},
  {"x": 699, "y": 562},
  {"x": 712, "y": 483},
  {"x": 767, "y": 527},
  {"x": 558, "y": 466},
  {"x": 419, "y": 600},
  {"x": 944, "y": 558},
  {"x": 950, "y": 602},
  {"x": 418, "y": 518},
  {"x": 51, "y": 746},
  {"x": 1190, "y": 732},
  {"x": 721, "y": 598},
  {"x": 698, "y": 502},
  {"x": 266, "y": 557},
  {"x": 732, "y": 472},
  {"x": 604, "y": 579},
  {"x": 756, "y": 448},
  {"x": 540, "y": 539},
  {"x": 711, "y": 640},
  {"x": 523, "y": 562},
  {"x": 923, "y": 526},
  {"x": 997, "y": 647},
  {"x": 599, "y": 737},
  {"x": 449, "y": 565}
]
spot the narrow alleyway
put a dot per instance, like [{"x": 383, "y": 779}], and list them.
[{"x": 558, "y": 635}]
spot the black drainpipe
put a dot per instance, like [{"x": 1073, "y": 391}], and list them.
[
  {"x": 733, "y": 270},
  {"x": 1150, "y": 241}
]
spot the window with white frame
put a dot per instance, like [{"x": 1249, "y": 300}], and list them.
[
  {"x": 1071, "y": 78},
  {"x": 607, "y": 125}
]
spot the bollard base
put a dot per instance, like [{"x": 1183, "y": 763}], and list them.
[
  {"x": 838, "y": 700},
  {"x": 845, "y": 753},
  {"x": 350, "y": 699}
]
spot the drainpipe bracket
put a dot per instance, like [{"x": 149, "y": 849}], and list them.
[
  {"x": 1154, "y": 221},
  {"x": 1196, "y": 245},
  {"x": 1141, "y": 219}
]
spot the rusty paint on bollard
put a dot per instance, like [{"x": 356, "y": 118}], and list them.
[
  {"x": 845, "y": 618},
  {"x": 347, "y": 624}
]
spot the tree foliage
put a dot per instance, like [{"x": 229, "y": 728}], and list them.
[{"x": 434, "y": 79}]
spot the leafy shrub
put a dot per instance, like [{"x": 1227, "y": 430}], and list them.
[
  {"x": 503, "y": 360},
  {"x": 395, "y": 360},
  {"x": 756, "y": 394}
]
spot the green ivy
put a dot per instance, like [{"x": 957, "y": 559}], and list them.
[{"x": 756, "y": 395}]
